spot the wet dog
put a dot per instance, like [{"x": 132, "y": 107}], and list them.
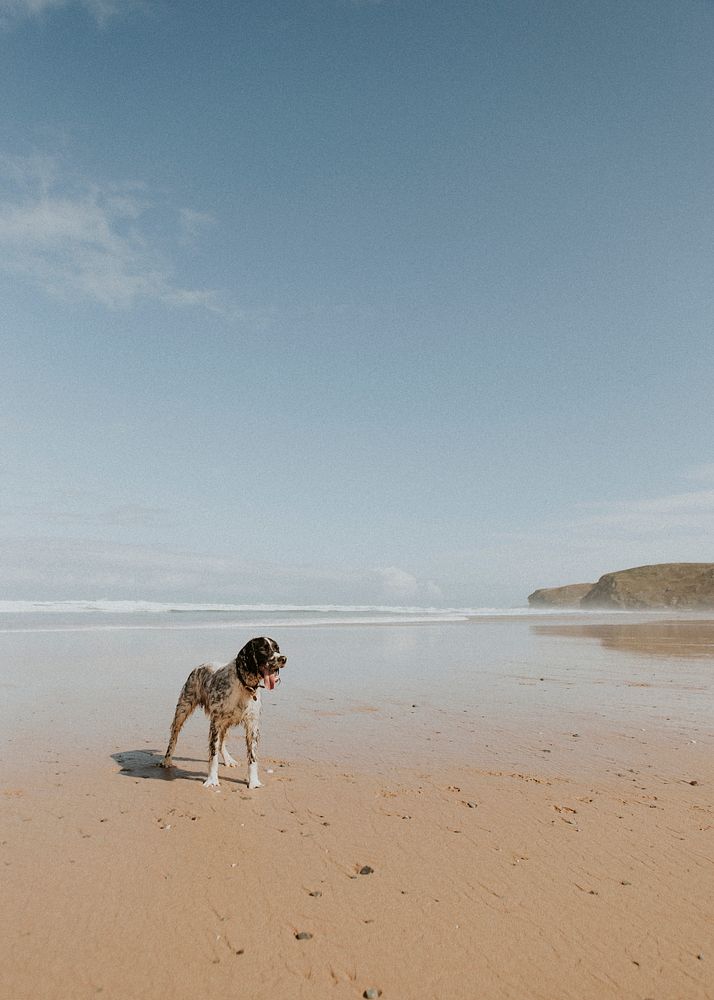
[{"x": 229, "y": 696}]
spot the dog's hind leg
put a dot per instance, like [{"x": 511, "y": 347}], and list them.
[
  {"x": 189, "y": 699},
  {"x": 214, "y": 743},
  {"x": 251, "y": 721},
  {"x": 183, "y": 710}
]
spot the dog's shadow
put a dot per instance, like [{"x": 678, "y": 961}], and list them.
[{"x": 147, "y": 764}]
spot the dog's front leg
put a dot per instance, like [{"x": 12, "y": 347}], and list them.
[
  {"x": 251, "y": 721},
  {"x": 227, "y": 759},
  {"x": 213, "y": 746}
]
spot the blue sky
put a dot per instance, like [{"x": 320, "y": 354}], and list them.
[{"x": 403, "y": 302}]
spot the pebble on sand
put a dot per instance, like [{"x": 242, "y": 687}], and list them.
[
  {"x": 366, "y": 870},
  {"x": 371, "y": 993},
  {"x": 303, "y": 936}
]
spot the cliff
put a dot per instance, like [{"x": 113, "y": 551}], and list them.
[
  {"x": 665, "y": 585},
  {"x": 560, "y": 597}
]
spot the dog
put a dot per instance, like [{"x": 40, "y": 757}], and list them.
[{"x": 229, "y": 696}]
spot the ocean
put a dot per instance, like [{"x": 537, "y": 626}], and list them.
[{"x": 95, "y": 615}]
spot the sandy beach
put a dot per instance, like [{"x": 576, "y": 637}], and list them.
[
  {"x": 381, "y": 329},
  {"x": 494, "y": 809}
]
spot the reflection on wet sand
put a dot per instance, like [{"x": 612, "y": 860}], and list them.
[{"x": 690, "y": 639}]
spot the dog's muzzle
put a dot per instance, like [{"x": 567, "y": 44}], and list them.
[{"x": 272, "y": 668}]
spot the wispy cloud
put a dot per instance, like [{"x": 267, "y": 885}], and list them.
[
  {"x": 193, "y": 223},
  {"x": 596, "y": 537},
  {"x": 46, "y": 567},
  {"x": 84, "y": 566},
  {"x": 673, "y": 514},
  {"x": 701, "y": 473},
  {"x": 82, "y": 512},
  {"x": 495, "y": 567},
  {"x": 81, "y": 239},
  {"x": 101, "y": 10}
]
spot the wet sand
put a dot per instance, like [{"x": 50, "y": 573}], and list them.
[
  {"x": 537, "y": 824},
  {"x": 680, "y": 637}
]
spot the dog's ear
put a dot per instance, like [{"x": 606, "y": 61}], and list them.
[
  {"x": 255, "y": 652},
  {"x": 262, "y": 648}
]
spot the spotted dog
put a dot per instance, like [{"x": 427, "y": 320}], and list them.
[{"x": 229, "y": 696}]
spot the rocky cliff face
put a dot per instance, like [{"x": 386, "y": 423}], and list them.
[
  {"x": 559, "y": 597},
  {"x": 664, "y": 585}
]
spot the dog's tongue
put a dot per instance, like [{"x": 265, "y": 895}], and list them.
[{"x": 269, "y": 680}]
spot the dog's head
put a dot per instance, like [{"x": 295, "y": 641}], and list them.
[{"x": 260, "y": 660}]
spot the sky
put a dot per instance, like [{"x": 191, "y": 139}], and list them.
[{"x": 345, "y": 301}]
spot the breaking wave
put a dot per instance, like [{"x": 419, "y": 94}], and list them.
[
  {"x": 160, "y": 608},
  {"x": 109, "y": 615}
]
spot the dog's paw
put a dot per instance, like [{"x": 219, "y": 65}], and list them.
[
  {"x": 166, "y": 762},
  {"x": 254, "y": 783},
  {"x": 211, "y": 783},
  {"x": 228, "y": 760}
]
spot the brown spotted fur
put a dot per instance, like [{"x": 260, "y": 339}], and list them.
[{"x": 229, "y": 696}]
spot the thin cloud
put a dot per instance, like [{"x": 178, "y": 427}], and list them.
[
  {"x": 193, "y": 223},
  {"x": 598, "y": 537},
  {"x": 676, "y": 512},
  {"x": 63, "y": 568},
  {"x": 101, "y": 10},
  {"x": 82, "y": 566},
  {"x": 83, "y": 510},
  {"x": 83, "y": 240},
  {"x": 397, "y": 583},
  {"x": 701, "y": 473}
]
